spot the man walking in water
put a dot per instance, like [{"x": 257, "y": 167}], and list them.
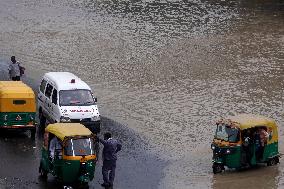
[
  {"x": 111, "y": 147},
  {"x": 15, "y": 70}
]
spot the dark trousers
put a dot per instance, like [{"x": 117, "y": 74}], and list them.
[
  {"x": 17, "y": 78},
  {"x": 108, "y": 171},
  {"x": 247, "y": 150},
  {"x": 259, "y": 153}
]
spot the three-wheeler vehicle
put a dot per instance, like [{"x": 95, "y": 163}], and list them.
[
  {"x": 17, "y": 107},
  {"x": 244, "y": 140},
  {"x": 72, "y": 158}
]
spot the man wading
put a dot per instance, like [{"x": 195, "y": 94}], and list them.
[
  {"x": 111, "y": 147},
  {"x": 15, "y": 70}
]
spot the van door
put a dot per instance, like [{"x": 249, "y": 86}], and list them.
[
  {"x": 47, "y": 102},
  {"x": 54, "y": 109},
  {"x": 41, "y": 97}
]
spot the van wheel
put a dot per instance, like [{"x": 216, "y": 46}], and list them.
[
  {"x": 271, "y": 162},
  {"x": 217, "y": 168}
]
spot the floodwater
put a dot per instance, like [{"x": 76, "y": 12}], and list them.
[{"x": 163, "y": 72}]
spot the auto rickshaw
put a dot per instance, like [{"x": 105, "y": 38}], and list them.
[
  {"x": 239, "y": 142},
  {"x": 75, "y": 155},
  {"x": 17, "y": 107}
]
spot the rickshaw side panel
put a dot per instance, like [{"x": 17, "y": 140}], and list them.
[
  {"x": 229, "y": 156},
  {"x": 233, "y": 160},
  {"x": 70, "y": 176},
  {"x": 270, "y": 150},
  {"x": 68, "y": 173},
  {"x": 91, "y": 167}
]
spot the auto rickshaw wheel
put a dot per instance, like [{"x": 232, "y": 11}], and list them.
[
  {"x": 272, "y": 162},
  {"x": 217, "y": 168}
]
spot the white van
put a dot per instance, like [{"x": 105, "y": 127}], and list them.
[{"x": 64, "y": 97}]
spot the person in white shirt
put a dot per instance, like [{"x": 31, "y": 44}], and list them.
[
  {"x": 54, "y": 145},
  {"x": 15, "y": 69}
]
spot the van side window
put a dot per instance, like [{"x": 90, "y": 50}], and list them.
[
  {"x": 42, "y": 85},
  {"x": 54, "y": 97},
  {"x": 48, "y": 90}
]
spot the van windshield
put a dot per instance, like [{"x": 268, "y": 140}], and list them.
[
  {"x": 78, "y": 97},
  {"x": 227, "y": 133},
  {"x": 79, "y": 147}
]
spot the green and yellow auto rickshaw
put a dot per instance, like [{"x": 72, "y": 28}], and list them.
[
  {"x": 244, "y": 140},
  {"x": 72, "y": 158},
  {"x": 17, "y": 107}
]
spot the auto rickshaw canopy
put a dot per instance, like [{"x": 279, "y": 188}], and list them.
[
  {"x": 15, "y": 89},
  {"x": 62, "y": 130},
  {"x": 246, "y": 121},
  {"x": 15, "y": 96}
]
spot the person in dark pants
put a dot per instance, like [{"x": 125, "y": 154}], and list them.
[
  {"x": 111, "y": 147},
  {"x": 247, "y": 146}
]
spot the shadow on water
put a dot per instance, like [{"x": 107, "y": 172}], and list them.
[{"x": 137, "y": 167}]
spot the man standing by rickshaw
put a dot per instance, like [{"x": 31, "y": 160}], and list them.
[{"x": 111, "y": 147}]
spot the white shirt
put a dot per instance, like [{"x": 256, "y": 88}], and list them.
[
  {"x": 54, "y": 145},
  {"x": 14, "y": 69}
]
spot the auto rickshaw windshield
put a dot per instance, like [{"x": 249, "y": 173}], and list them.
[
  {"x": 79, "y": 147},
  {"x": 227, "y": 133}
]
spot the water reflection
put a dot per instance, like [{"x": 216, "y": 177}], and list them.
[{"x": 257, "y": 177}]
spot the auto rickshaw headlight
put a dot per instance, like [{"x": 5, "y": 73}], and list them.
[
  {"x": 228, "y": 151},
  {"x": 213, "y": 147},
  {"x": 64, "y": 119},
  {"x": 5, "y": 117}
]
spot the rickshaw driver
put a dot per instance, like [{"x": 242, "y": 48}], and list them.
[
  {"x": 247, "y": 146},
  {"x": 263, "y": 137},
  {"x": 54, "y": 146}
]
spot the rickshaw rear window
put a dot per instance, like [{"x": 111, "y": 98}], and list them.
[
  {"x": 79, "y": 147},
  {"x": 19, "y": 102}
]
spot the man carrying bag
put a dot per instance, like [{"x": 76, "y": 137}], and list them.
[{"x": 15, "y": 69}]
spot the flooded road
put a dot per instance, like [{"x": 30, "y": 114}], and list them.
[{"x": 163, "y": 72}]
